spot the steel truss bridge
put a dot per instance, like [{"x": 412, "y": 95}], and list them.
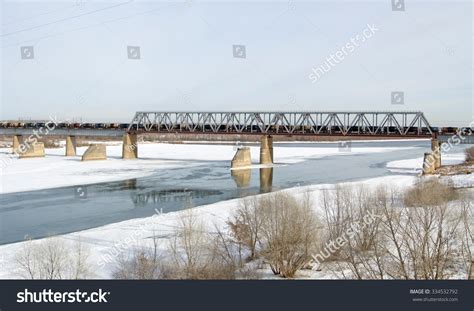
[{"x": 373, "y": 123}]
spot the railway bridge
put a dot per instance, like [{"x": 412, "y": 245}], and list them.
[{"x": 223, "y": 126}]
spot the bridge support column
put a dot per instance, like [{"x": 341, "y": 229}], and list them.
[
  {"x": 17, "y": 140},
  {"x": 436, "y": 150},
  {"x": 129, "y": 147},
  {"x": 266, "y": 150},
  {"x": 95, "y": 152},
  {"x": 71, "y": 144},
  {"x": 32, "y": 151},
  {"x": 241, "y": 158},
  {"x": 429, "y": 163}
]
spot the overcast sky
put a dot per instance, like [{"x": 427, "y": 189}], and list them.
[{"x": 80, "y": 66}]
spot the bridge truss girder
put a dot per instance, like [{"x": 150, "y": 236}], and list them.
[{"x": 284, "y": 123}]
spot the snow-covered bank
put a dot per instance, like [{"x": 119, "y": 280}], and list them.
[
  {"x": 56, "y": 170},
  {"x": 104, "y": 243},
  {"x": 414, "y": 166}
]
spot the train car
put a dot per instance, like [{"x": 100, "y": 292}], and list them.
[
  {"x": 13, "y": 124},
  {"x": 449, "y": 130},
  {"x": 436, "y": 129},
  {"x": 63, "y": 125}
]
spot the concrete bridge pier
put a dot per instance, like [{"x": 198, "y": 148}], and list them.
[
  {"x": 71, "y": 144},
  {"x": 429, "y": 163},
  {"x": 17, "y": 140},
  {"x": 32, "y": 151},
  {"x": 436, "y": 150},
  {"x": 130, "y": 146},
  {"x": 266, "y": 150},
  {"x": 95, "y": 152},
  {"x": 432, "y": 160},
  {"x": 241, "y": 158}
]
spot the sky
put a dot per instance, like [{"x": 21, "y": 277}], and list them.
[{"x": 70, "y": 59}]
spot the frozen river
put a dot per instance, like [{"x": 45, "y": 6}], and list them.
[{"x": 68, "y": 209}]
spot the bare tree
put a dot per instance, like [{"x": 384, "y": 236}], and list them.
[
  {"x": 141, "y": 263},
  {"x": 245, "y": 225},
  {"x": 51, "y": 258},
  {"x": 80, "y": 267},
  {"x": 194, "y": 254},
  {"x": 352, "y": 217},
  {"x": 289, "y": 232},
  {"x": 418, "y": 234}
]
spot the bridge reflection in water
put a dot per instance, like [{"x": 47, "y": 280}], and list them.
[
  {"x": 157, "y": 197},
  {"x": 242, "y": 178}
]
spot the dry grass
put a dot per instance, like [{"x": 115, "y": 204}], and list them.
[{"x": 429, "y": 193}]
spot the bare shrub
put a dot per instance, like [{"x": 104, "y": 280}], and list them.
[
  {"x": 141, "y": 264},
  {"x": 431, "y": 239},
  {"x": 245, "y": 226},
  {"x": 289, "y": 232},
  {"x": 425, "y": 239},
  {"x": 80, "y": 268},
  {"x": 429, "y": 193},
  {"x": 469, "y": 152},
  {"x": 348, "y": 207},
  {"x": 352, "y": 221},
  {"x": 194, "y": 252},
  {"x": 336, "y": 206},
  {"x": 51, "y": 258}
]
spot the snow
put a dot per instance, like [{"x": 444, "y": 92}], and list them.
[
  {"x": 56, "y": 170},
  {"x": 414, "y": 166},
  {"x": 104, "y": 243}
]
